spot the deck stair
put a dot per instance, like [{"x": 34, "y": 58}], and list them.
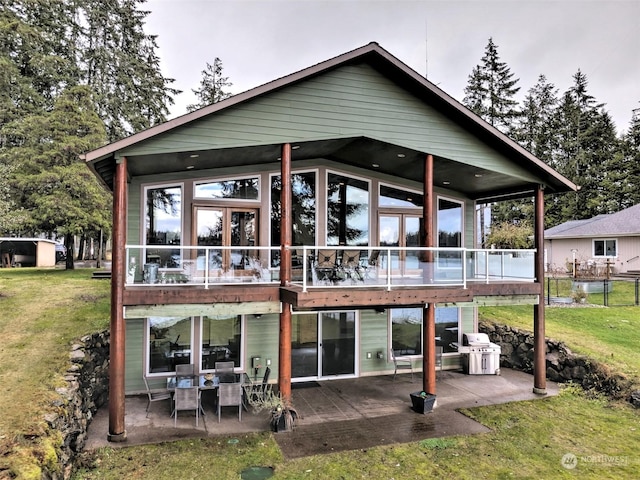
[{"x": 101, "y": 274}]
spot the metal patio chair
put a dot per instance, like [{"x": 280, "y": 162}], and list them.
[
  {"x": 230, "y": 395},
  {"x": 186, "y": 399},
  {"x": 155, "y": 394},
  {"x": 185, "y": 370},
  {"x": 401, "y": 363}
]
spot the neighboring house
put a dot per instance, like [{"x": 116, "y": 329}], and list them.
[
  {"x": 284, "y": 227},
  {"x": 613, "y": 238}
]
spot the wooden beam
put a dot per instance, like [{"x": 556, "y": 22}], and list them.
[
  {"x": 429, "y": 312},
  {"x": 198, "y": 295},
  {"x": 286, "y": 214},
  {"x": 539, "y": 343},
  {"x": 117, "y": 432},
  {"x": 216, "y": 310}
]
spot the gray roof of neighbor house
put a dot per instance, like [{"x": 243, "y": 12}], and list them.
[
  {"x": 394, "y": 135},
  {"x": 623, "y": 223}
]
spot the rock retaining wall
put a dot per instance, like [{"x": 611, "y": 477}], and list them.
[
  {"x": 86, "y": 390},
  {"x": 562, "y": 364}
]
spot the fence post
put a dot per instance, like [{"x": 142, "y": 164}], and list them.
[
  {"x": 637, "y": 291},
  {"x": 548, "y": 291},
  {"x": 606, "y": 293}
]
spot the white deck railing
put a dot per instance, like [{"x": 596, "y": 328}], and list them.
[{"x": 326, "y": 266}]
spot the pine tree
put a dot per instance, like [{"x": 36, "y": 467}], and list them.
[
  {"x": 491, "y": 89},
  {"x": 212, "y": 86}
]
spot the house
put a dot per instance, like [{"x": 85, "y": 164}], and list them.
[
  {"x": 594, "y": 243},
  {"x": 283, "y": 227}
]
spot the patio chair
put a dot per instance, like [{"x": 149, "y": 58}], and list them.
[
  {"x": 224, "y": 371},
  {"x": 185, "y": 370},
  {"x": 371, "y": 265},
  {"x": 326, "y": 265},
  {"x": 186, "y": 399},
  {"x": 401, "y": 363},
  {"x": 156, "y": 394},
  {"x": 230, "y": 395},
  {"x": 351, "y": 265},
  {"x": 257, "y": 391}
]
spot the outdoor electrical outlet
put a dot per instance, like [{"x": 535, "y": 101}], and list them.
[
  {"x": 380, "y": 356},
  {"x": 268, "y": 362},
  {"x": 369, "y": 355}
]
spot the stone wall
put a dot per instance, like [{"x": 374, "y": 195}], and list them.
[
  {"x": 87, "y": 389},
  {"x": 562, "y": 364}
]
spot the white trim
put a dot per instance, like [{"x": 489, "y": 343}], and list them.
[{"x": 604, "y": 247}]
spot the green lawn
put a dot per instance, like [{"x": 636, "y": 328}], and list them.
[{"x": 43, "y": 311}]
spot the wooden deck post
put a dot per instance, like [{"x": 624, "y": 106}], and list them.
[
  {"x": 284, "y": 353},
  {"x": 117, "y": 432},
  {"x": 429, "y": 312},
  {"x": 539, "y": 342}
]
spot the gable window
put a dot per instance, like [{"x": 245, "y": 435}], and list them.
[
  {"x": 397, "y": 198},
  {"x": 163, "y": 224},
  {"x": 237, "y": 189},
  {"x": 347, "y": 210},
  {"x": 605, "y": 248}
]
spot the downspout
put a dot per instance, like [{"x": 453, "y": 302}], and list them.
[
  {"x": 284, "y": 352},
  {"x": 429, "y": 311},
  {"x": 539, "y": 344},
  {"x": 117, "y": 432}
]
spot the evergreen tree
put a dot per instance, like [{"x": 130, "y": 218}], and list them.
[
  {"x": 491, "y": 89},
  {"x": 628, "y": 168},
  {"x": 52, "y": 183},
  {"x": 212, "y": 86}
]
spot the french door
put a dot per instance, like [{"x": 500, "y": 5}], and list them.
[
  {"x": 323, "y": 345},
  {"x": 400, "y": 230},
  {"x": 225, "y": 227}
]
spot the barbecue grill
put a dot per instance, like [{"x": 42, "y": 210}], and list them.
[{"x": 479, "y": 355}]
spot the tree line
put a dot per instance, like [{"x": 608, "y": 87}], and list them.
[
  {"x": 77, "y": 74},
  {"x": 571, "y": 132}
]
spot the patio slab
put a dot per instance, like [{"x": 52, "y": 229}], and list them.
[{"x": 346, "y": 414}]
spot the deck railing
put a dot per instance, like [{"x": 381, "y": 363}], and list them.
[{"x": 326, "y": 266}]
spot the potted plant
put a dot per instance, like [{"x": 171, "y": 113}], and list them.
[
  {"x": 422, "y": 402},
  {"x": 282, "y": 414}
]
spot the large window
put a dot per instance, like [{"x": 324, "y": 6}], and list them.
[
  {"x": 303, "y": 219},
  {"x": 164, "y": 224},
  {"x": 240, "y": 189},
  {"x": 406, "y": 329},
  {"x": 450, "y": 218},
  {"x": 605, "y": 248},
  {"x": 397, "y": 198},
  {"x": 347, "y": 211},
  {"x": 221, "y": 341},
  {"x": 169, "y": 343}
]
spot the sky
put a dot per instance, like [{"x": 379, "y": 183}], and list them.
[{"x": 260, "y": 41}]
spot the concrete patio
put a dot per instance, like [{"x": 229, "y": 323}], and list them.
[{"x": 335, "y": 415}]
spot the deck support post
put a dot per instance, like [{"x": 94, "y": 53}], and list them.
[
  {"x": 539, "y": 342},
  {"x": 429, "y": 312},
  {"x": 284, "y": 355},
  {"x": 117, "y": 432}
]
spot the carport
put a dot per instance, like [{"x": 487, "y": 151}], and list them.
[{"x": 27, "y": 252}]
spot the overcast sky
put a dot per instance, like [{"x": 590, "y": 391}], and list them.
[{"x": 259, "y": 41}]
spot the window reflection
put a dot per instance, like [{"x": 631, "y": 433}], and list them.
[
  {"x": 221, "y": 340},
  {"x": 395, "y": 197},
  {"x": 406, "y": 329},
  {"x": 347, "y": 211},
  {"x": 169, "y": 343},
  {"x": 449, "y": 232},
  {"x": 164, "y": 224},
  {"x": 243, "y": 189}
]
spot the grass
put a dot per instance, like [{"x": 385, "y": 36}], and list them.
[{"x": 44, "y": 311}]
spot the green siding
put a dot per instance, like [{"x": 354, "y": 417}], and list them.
[
  {"x": 373, "y": 338},
  {"x": 354, "y": 100},
  {"x": 134, "y": 364},
  {"x": 261, "y": 340}
]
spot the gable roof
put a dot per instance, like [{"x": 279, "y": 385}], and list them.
[
  {"x": 623, "y": 223},
  {"x": 102, "y": 160}
]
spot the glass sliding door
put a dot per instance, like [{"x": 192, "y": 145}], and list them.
[
  {"x": 304, "y": 345},
  {"x": 338, "y": 343},
  {"x": 400, "y": 230}
]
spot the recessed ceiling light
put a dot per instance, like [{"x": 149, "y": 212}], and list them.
[
  {"x": 478, "y": 175},
  {"x": 409, "y": 199},
  {"x": 446, "y": 183},
  {"x": 401, "y": 155},
  {"x": 295, "y": 147},
  {"x": 375, "y": 165},
  {"x": 190, "y": 167},
  {"x": 195, "y": 155}
]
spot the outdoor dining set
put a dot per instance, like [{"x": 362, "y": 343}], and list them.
[{"x": 185, "y": 389}]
